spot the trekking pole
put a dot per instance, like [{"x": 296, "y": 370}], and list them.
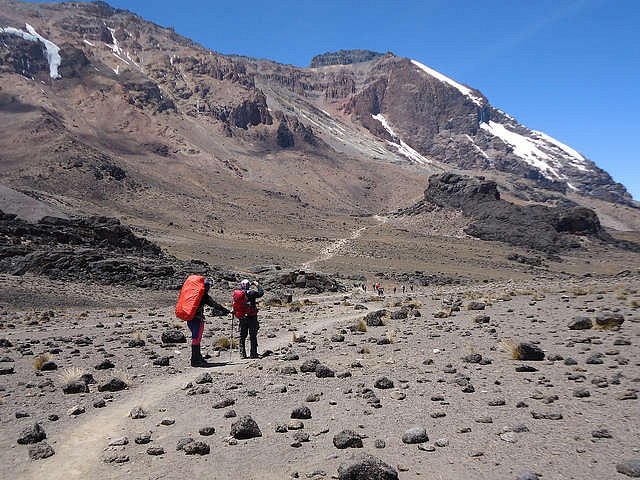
[{"x": 231, "y": 338}]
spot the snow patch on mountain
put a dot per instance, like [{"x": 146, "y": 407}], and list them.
[
  {"x": 466, "y": 91},
  {"x": 52, "y": 51},
  {"x": 403, "y": 149},
  {"x": 576, "y": 159},
  {"x": 526, "y": 148}
]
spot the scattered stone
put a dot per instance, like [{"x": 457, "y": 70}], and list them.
[
  {"x": 143, "y": 438},
  {"x": 383, "y": 383},
  {"x": 630, "y": 468},
  {"x": 119, "y": 442},
  {"x": 167, "y": 421},
  {"x": 115, "y": 457},
  {"x": 323, "y": 371},
  {"x": 546, "y": 416},
  {"x": 309, "y": 366},
  {"x": 196, "y": 448},
  {"x": 41, "y": 451},
  {"x": 137, "y": 412},
  {"x": 347, "y": 439},
  {"x": 580, "y": 323},
  {"x": 231, "y": 413},
  {"x": 609, "y": 320},
  {"x": 76, "y": 410},
  {"x": 375, "y": 319},
  {"x": 367, "y": 467},
  {"x": 244, "y": 428},
  {"x": 301, "y": 413},
  {"x": 180, "y": 444},
  {"x": 173, "y": 336},
  {"x": 204, "y": 378},
  {"x": 206, "y": 431},
  {"x": 415, "y": 435},
  {"x": 155, "y": 450},
  {"x": 224, "y": 403},
  {"x": 32, "y": 434},
  {"x": 529, "y": 352},
  {"x": 113, "y": 385},
  {"x": 441, "y": 442},
  {"x": 105, "y": 365},
  {"x": 75, "y": 386}
]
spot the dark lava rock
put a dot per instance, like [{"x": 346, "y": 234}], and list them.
[
  {"x": 113, "y": 385},
  {"x": 206, "y": 431},
  {"x": 603, "y": 433},
  {"x": 309, "y": 365},
  {"x": 288, "y": 370},
  {"x": 383, "y": 383},
  {"x": 40, "y": 451},
  {"x": 527, "y": 475},
  {"x": 5, "y": 342},
  {"x": 104, "y": 365},
  {"x": 301, "y": 413},
  {"x": 204, "y": 378},
  {"x": 162, "y": 361},
  {"x": 581, "y": 393},
  {"x": 609, "y": 320},
  {"x": 580, "y": 323},
  {"x": 526, "y": 368},
  {"x": 173, "y": 336},
  {"x": 75, "y": 386},
  {"x": 472, "y": 358},
  {"x": 180, "y": 444},
  {"x": 48, "y": 367},
  {"x": 546, "y": 416},
  {"x": 323, "y": 371},
  {"x": 143, "y": 438},
  {"x": 196, "y": 448},
  {"x": 33, "y": 434},
  {"x": 244, "y": 428},
  {"x": 375, "y": 319},
  {"x": 415, "y": 435},
  {"x": 224, "y": 403},
  {"x": 347, "y": 439},
  {"x": 137, "y": 413},
  {"x": 529, "y": 351},
  {"x": 6, "y": 370},
  {"x": 157, "y": 450},
  {"x": 115, "y": 457},
  {"x": 367, "y": 467},
  {"x": 630, "y": 468}
]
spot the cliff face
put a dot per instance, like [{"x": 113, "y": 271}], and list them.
[{"x": 116, "y": 106}]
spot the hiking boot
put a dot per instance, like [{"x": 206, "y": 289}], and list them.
[
  {"x": 243, "y": 352},
  {"x": 196, "y": 357}
]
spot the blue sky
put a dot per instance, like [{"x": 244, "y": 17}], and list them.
[{"x": 570, "y": 68}]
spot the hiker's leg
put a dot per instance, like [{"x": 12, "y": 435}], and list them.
[
  {"x": 244, "y": 330},
  {"x": 253, "y": 336}
]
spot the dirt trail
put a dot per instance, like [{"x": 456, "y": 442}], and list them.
[
  {"x": 336, "y": 247},
  {"x": 79, "y": 449}
]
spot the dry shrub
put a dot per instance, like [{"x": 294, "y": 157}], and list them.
[
  {"x": 469, "y": 348},
  {"x": 511, "y": 347},
  {"x": 579, "y": 291},
  {"x": 223, "y": 343},
  {"x": 122, "y": 375},
  {"x": 391, "y": 336},
  {"x": 634, "y": 304},
  {"x": 40, "y": 360},
  {"x": 298, "y": 338},
  {"x": 71, "y": 375},
  {"x": 137, "y": 336},
  {"x": 361, "y": 326}
]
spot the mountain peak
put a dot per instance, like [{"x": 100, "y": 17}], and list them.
[{"x": 344, "y": 57}]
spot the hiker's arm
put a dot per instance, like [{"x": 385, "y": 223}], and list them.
[
  {"x": 217, "y": 309},
  {"x": 253, "y": 294}
]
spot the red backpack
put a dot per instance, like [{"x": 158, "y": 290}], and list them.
[
  {"x": 190, "y": 297},
  {"x": 241, "y": 305}
]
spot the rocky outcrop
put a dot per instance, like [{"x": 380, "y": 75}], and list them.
[
  {"x": 344, "y": 57},
  {"x": 536, "y": 226},
  {"x": 95, "y": 249}
]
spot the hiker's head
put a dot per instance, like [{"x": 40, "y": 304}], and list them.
[
  {"x": 244, "y": 284},
  {"x": 207, "y": 283}
]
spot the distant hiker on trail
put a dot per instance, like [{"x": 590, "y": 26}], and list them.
[
  {"x": 379, "y": 289},
  {"x": 402, "y": 288},
  {"x": 394, "y": 290},
  {"x": 246, "y": 311},
  {"x": 194, "y": 295}
]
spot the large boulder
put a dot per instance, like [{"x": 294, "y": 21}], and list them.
[
  {"x": 367, "y": 467},
  {"x": 244, "y": 428}
]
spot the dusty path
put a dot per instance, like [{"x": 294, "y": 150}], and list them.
[
  {"x": 336, "y": 247},
  {"x": 79, "y": 449}
]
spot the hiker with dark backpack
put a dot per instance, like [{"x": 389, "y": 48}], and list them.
[
  {"x": 246, "y": 311},
  {"x": 194, "y": 295}
]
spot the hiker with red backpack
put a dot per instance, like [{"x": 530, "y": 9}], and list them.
[
  {"x": 194, "y": 295},
  {"x": 246, "y": 311}
]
